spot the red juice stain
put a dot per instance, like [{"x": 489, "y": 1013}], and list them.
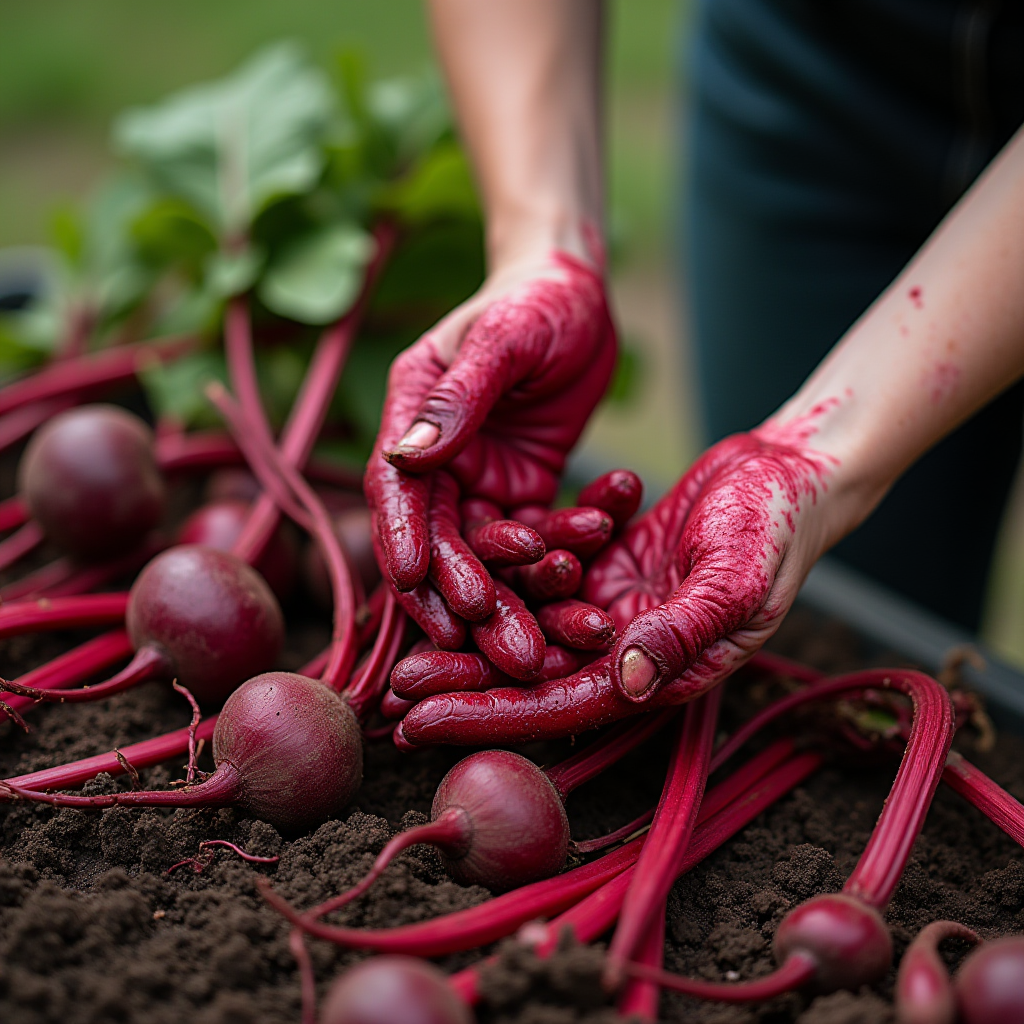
[
  {"x": 917, "y": 297},
  {"x": 941, "y": 380}
]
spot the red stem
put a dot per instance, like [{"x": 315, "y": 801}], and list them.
[
  {"x": 307, "y": 979},
  {"x": 610, "y": 748},
  {"x": 148, "y": 663},
  {"x": 143, "y": 754},
  {"x": 77, "y": 664},
  {"x": 639, "y": 999},
  {"x": 87, "y": 374},
  {"x": 62, "y": 613},
  {"x": 271, "y": 468},
  {"x": 252, "y": 858},
  {"x": 881, "y": 865},
  {"x": 17, "y": 425},
  {"x": 670, "y": 831},
  {"x": 990, "y": 798},
  {"x": 452, "y": 830},
  {"x": 177, "y": 451},
  {"x": 13, "y": 513},
  {"x": 310, "y": 409},
  {"x": 592, "y": 916},
  {"x": 23, "y": 541},
  {"x": 797, "y": 971},
  {"x": 371, "y": 678},
  {"x": 474, "y": 926}
]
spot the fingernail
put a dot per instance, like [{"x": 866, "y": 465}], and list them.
[
  {"x": 637, "y": 671},
  {"x": 420, "y": 435}
]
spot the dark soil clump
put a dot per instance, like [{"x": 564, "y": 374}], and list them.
[{"x": 93, "y": 928}]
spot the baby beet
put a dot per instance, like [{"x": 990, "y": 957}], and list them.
[
  {"x": 990, "y": 983},
  {"x": 288, "y": 751},
  {"x": 220, "y": 523},
  {"x": 212, "y": 616},
  {"x": 90, "y": 479},
  {"x": 393, "y": 990}
]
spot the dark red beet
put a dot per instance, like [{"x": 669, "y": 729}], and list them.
[
  {"x": 219, "y": 524},
  {"x": 924, "y": 991},
  {"x": 90, "y": 479},
  {"x": 393, "y": 990},
  {"x": 288, "y": 750},
  {"x": 846, "y": 940},
  {"x": 990, "y": 983},
  {"x": 212, "y": 616}
]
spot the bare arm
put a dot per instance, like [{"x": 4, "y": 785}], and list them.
[{"x": 525, "y": 79}]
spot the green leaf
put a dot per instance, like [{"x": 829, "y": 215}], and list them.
[
  {"x": 440, "y": 185},
  {"x": 231, "y": 273},
  {"x": 176, "y": 390},
  {"x": 231, "y": 147},
  {"x": 317, "y": 278},
  {"x": 628, "y": 375}
]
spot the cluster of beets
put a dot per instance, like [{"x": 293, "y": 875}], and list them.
[{"x": 203, "y": 615}]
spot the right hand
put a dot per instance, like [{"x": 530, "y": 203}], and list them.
[{"x": 497, "y": 393}]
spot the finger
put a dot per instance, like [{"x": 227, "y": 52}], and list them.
[
  {"x": 394, "y": 708},
  {"x": 401, "y": 531},
  {"x": 619, "y": 492},
  {"x": 429, "y": 610},
  {"x": 510, "y": 637},
  {"x": 432, "y": 672},
  {"x": 722, "y": 592},
  {"x": 583, "y": 531},
  {"x": 454, "y": 568},
  {"x": 560, "y": 662},
  {"x": 505, "y": 542},
  {"x": 576, "y": 624},
  {"x": 505, "y": 343},
  {"x": 556, "y": 576}
]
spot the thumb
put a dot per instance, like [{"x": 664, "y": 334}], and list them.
[
  {"x": 661, "y": 644},
  {"x": 499, "y": 350}
]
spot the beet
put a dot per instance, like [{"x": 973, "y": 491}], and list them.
[
  {"x": 287, "y": 749},
  {"x": 212, "y": 616},
  {"x": 393, "y": 990},
  {"x": 990, "y": 983},
  {"x": 219, "y": 524},
  {"x": 90, "y": 479}
]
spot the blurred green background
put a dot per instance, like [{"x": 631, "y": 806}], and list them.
[{"x": 67, "y": 66}]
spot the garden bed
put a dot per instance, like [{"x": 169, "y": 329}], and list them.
[{"x": 93, "y": 928}]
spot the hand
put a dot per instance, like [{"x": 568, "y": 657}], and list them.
[
  {"x": 695, "y": 587},
  {"x": 498, "y": 393}
]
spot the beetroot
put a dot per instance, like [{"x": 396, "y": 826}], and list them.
[
  {"x": 90, "y": 479},
  {"x": 393, "y": 990},
  {"x": 990, "y": 983},
  {"x": 287, "y": 749},
  {"x": 924, "y": 991},
  {"x": 219, "y": 524},
  {"x": 197, "y": 615}
]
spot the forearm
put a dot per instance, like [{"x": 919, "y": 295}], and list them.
[
  {"x": 939, "y": 343},
  {"x": 524, "y": 76}
]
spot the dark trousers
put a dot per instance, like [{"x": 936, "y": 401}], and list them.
[{"x": 828, "y": 139}]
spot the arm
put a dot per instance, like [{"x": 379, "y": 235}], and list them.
[
  {"x": 499, "y": 391},
  {"x": 699, "y": 583}
]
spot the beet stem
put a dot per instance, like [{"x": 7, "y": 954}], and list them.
[
  {"x": 451, "y": 829},
  {"x": 88, "y": 373},
  {"x": 670, "y": 831},
  {"x": 310, "y": 409},
  {"x": 307, "y": 979},
  {"x": 13, "y": 513},
  {"x": 986, "y": 795},
  {"x": 23, "y": 541},
  {"x": 149, "y": 663},
  {"x": 606, "y": 751},
  {"x": 639, "y": 998},
  {"x": 62, "y": 613},
  {"x": 796, "y": 972},
  {"x": 76, "y": 665},
  {"x": 367, "y": 686},
  {"x": 190, "y": 771}
]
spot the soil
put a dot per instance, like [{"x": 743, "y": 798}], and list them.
[{"x": 94, "y": 929}]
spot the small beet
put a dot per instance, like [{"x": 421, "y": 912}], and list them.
[
  {"x": 393, "y": 990},
  {"x": 846, "y": 940},
  {"x": 219, "y": 524},
  {"x": 90, "y": 479},
  {"x": 990, "y": 983},
  {"x": 288, "y": 751}
]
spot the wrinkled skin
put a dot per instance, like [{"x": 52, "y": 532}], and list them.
[
  {"x": 694, "y": 587},
  {"x": 502, "y": 389}
]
